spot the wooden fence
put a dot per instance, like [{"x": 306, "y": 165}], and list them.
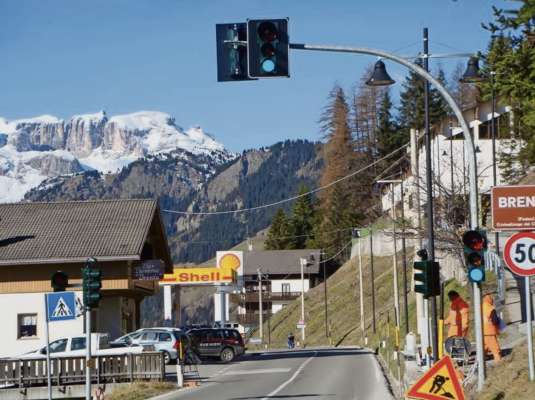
[{"x": 71, "y": 370}]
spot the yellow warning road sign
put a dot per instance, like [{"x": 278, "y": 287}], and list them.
[{"x": 439, "y": 383}]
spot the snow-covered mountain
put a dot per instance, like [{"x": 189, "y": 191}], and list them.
[{"x": 34, "y": 149}]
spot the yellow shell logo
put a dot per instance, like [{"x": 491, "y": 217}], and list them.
[{"x": 229, "y": 261}]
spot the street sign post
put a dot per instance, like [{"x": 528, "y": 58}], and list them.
[
  {"x": 519, "y": 255},
  {"x": 513, "y": 207},
  {"x": 59, "y": 306}
]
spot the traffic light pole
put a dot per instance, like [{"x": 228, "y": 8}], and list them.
[
  {"x": 470, "y": 152},
  {"x": 87, "y": 353}
]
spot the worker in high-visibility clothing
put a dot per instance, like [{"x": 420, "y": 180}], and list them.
[
  {"x": 491, "y": 327},
  {"x": 457, "y": 321}
]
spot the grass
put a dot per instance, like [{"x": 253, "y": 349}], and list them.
[
  {"x": 508, "y": 380},
  {"x": 140, "y": 390}
]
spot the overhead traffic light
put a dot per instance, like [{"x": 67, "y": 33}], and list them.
[
  {"x": 59, "y": 281},
  {"x": 92, "y": 283},
  {"x": 427, "y": 282},
  {"x": 231, "y": 42},
  {"x": 475, "y": 246},
  {"x": 268, "y": 47}
]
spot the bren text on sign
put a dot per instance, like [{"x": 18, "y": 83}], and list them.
[
  {"x": 513, "y": 207},
  {"x": 199, "y": 276}
]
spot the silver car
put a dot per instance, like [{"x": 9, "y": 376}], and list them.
[{"x": 165, "y": 340}]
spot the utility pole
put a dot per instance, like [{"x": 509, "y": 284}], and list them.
[
  {"x": 429, "y": 188},
  {"x": 260, "y": 306},
  {"x": 325, "y": 299},
  {"x": 303, "y": 262},
  {"x": 404, "y": 255},
  {"x": 373, "y": 282},
  {"x": 361, "y": 291}
]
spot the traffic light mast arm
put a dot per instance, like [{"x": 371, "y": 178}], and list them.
[{"x": 469, "y": 144}]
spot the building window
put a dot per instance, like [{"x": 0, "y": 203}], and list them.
[
  {"x": 27, "y": 325},
  {"x": 285, "y": 288}
]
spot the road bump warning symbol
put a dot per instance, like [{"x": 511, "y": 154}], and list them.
[{"x": 439, "y": 383}]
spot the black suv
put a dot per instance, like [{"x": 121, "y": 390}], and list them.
[{"x": 225, "y": 344}]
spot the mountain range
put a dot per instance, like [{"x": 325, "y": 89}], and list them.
[
  {"x": 34, "y": 149},
  {"x": 147, "y": 155}
]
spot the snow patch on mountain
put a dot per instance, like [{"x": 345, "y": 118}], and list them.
[{"x": 34, "y": 149}]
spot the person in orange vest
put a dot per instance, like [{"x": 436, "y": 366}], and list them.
[
  {"x": 491, "y": 327},
  {"x": 457, "y": 320}
]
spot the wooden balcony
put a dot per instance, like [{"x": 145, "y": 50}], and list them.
[
  {"x": 252, "y": 297},
  {"x": 251, "y": 319}
]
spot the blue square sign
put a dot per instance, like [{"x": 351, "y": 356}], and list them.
[{"x": 60, "y": 306}]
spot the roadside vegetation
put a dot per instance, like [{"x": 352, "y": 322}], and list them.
[{"x": 140, "y": 390}]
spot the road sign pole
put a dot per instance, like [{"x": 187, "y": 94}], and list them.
[
  {"x": 88, "y": 353},
  {"x": 529, "y": 329},
  {"x": 47, "y": 340}
]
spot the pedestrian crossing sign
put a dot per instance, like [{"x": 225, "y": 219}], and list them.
[
  {"x": 60, "y": 306},
  {"x": 441, "y": 382}
]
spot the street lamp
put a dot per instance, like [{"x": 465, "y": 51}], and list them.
[{"x": 379, "y": 76}]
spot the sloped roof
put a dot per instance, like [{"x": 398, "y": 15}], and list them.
[
  {"x": 70, "y": 232},
  {"x": 280, "y": 262}
]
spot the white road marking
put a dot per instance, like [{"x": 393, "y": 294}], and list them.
[
  {"x": 259, "y": 371},
  {"x": 301, "y": 367}
]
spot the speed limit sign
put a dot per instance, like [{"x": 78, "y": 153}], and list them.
[{"x": 519, "y": 253}]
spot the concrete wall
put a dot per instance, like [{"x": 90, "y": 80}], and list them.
[{"x": 109, "y": 317}]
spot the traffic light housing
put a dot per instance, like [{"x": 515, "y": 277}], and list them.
[
  {"x": 427, "y": 282},
  {"x": 92, "y": 283},
  {"x": 59, "y": 281},
  {"x": 268, "y": 47},
  {"x": 475, "y": 245},
  {"x": 231, "y": 42}
]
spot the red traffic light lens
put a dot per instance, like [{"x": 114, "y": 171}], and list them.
[
  {"x": 474, "y": 240},
  {"x": 267, "y": 31}
]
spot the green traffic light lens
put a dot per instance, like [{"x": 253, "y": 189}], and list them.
[
  {"x": 475, "y": 275},
  {"x": 268, "y": 65}
]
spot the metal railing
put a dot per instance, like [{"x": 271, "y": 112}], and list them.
[
  {"x": 493, "y": 262},
  {"x": 71, "y": 370}
]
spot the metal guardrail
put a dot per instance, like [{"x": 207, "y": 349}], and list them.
[{"x": 71, "y": 370}]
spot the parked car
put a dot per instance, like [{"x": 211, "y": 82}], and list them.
[
  {"x": 73, "y": 346},
  {"x": 226, "y": 344},
  {"x": 162, "y": 339}
]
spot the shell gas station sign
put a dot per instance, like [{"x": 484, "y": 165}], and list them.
[{"x": 227, "y": 271}]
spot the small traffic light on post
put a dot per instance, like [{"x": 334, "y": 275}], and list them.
[
  {"x": 427, "y": 282},
  {"x": 59, "y": 281},
  {"x": 475, "y": 245},
  {"x": 268, "y": 47},
  {"x": 92, "y": 283}
]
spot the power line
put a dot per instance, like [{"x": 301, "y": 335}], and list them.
[{"x": 242, "y": 210}]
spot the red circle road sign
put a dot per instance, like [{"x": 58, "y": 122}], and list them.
[{"x": 519, "y": 253}]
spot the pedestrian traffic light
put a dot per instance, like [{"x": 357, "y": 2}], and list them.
[
  {"x": 59, "y": 281},
  {"x": 475, "y": 245},
  {"x": 231, "y": 42},
  {"x": 92, "y": 283},
  {"x": 268, "y": 47},
  {"x": 427, "y": 282}
]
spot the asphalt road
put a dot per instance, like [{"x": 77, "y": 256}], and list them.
[{"x": 315, "y": 374}]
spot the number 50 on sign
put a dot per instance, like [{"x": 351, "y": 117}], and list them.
[{"x": 519, "y": 253}]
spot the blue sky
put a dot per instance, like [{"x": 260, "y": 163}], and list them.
[{"x": 65, "y": 57}]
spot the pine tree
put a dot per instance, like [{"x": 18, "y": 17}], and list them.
[
  {"x": 336, "y": 202},
  {"x": 388, "y": 136},
  {"x": 278, "y": 237},
  {"x": 301, "y": 220},
  {"x": 512, "y": 56}
]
